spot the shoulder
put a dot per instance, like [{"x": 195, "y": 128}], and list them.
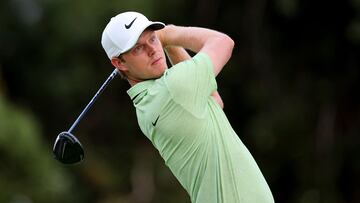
[{"x": 200, "y": 60}]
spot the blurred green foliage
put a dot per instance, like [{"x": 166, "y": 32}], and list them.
[
  {"x": 290, "y": 91},
  {"x": 27, "y": 171}
]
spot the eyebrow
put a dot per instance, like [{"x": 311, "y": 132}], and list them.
[{"x": 151, "y": 35}]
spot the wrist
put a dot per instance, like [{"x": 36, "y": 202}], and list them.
[{"x": 163, "y": 35}]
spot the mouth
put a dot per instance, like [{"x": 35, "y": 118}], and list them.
[{"x": 157, "y": 61}]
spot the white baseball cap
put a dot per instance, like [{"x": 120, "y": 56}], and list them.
[{"x": 123, "y": 31}]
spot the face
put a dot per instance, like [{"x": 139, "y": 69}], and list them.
[{"x": 146, "y": 60}]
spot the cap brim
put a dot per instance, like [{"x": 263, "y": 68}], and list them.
[{"x": 156, "y": 26}]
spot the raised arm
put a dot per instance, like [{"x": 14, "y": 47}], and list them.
[
  {"x": 176, "y": 54},
  {"x": 217, "y": 45}
]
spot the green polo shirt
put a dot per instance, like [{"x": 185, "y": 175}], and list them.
[{"x": 192, "y": 134}]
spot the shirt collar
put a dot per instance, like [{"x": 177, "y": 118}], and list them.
[{"x": 137, "y": 91}]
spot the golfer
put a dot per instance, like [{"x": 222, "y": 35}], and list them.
[{"x": 178, "y": 108}]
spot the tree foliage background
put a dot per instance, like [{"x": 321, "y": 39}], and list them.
[{"x": 291, "y": 91}]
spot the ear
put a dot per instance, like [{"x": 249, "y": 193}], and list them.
[{"x": 119, "y": 64}]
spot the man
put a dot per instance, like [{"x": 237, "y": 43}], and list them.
[{"x": 179, "y": 109}]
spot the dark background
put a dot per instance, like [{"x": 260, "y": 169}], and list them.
[{"x": 291, "y": 92}]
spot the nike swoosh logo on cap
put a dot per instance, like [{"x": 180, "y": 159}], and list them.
[{"x": 129, "y": 25}]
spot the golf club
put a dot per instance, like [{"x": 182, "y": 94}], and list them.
[{"x": 67, "y": 148}]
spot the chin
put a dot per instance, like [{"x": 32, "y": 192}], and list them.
[
  {"x": 161, "y": 73},
  {"x": 161, "y": 68}
]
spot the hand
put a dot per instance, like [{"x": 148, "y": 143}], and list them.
[{"x": 218, "y": 99}]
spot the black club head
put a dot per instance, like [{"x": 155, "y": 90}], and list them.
[{"x": 68, "y": 149}]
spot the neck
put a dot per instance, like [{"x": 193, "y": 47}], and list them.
[{"x": 133, "y": 82}]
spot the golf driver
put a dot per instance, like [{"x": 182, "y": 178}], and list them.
[{"x": 67, "y": 148}]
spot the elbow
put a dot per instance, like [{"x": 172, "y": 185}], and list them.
[
  {"x": 227, "y": 44},
  {"x": 230, "y": 43}
]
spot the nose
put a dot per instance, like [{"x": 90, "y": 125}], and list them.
[{"x": 150, "y": 49}]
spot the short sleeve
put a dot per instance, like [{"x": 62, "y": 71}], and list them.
[{"x": 191, "y": 83}]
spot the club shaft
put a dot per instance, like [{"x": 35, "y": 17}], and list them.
[{"x": 107, "y": 81}]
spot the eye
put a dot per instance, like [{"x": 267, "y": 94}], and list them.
[
  {"x": 138, "y": 49},
  {"x": 153, "y": 39}
]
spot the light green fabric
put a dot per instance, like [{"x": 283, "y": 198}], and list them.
[{"x": 194, "y": 137}]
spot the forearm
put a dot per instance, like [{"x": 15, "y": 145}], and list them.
[
  {"x": 192, "y": 38},
  {"x": 216, "y": 45},
  {"x": 176, "y": 54}
]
